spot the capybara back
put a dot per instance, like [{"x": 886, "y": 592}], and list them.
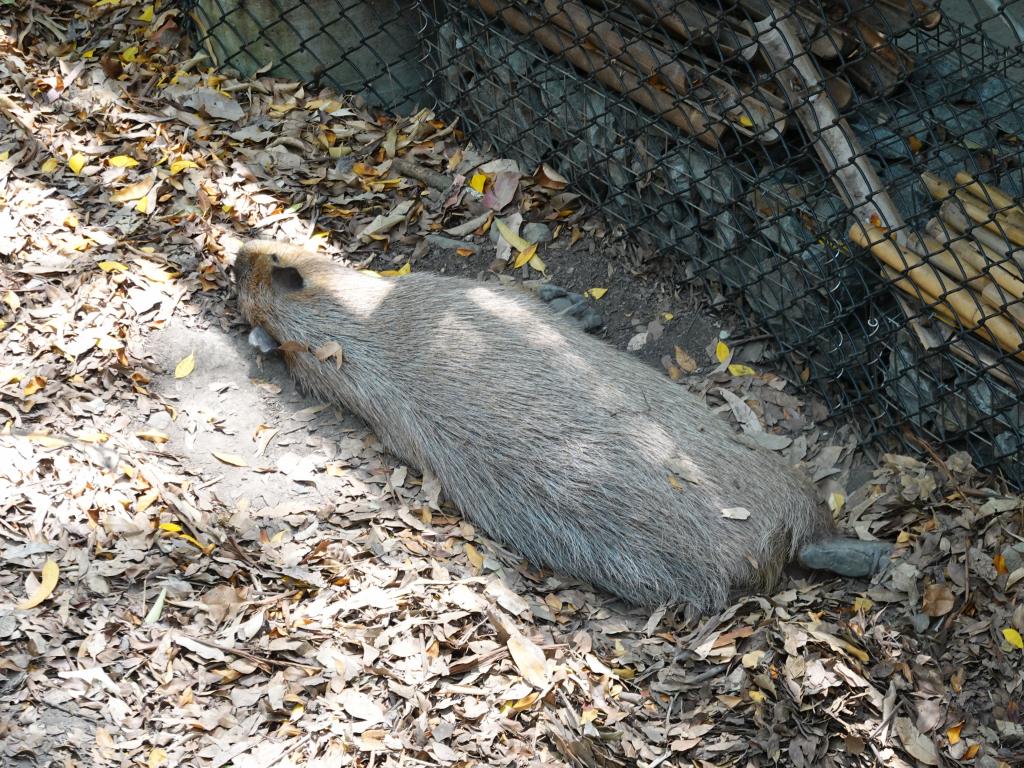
[{"x": 576, "y": 455}]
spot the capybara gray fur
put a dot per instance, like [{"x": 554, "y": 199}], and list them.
[{"x": 574, "y": 454}]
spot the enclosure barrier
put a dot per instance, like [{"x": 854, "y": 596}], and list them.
[{"x": 850, "y": 169}]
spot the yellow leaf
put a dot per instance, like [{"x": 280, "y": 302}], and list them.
[
  {"x": 667, "y": 316},
  {"x": 863, "y": 604},
  {"x": 51, "y": 572},
  {"x": 405, "y": 270},
  {"x": 478, "y": 181},
  {"x": 526, "y": 702},
  {"x": 142, "y": 206},
  {"x": 34, "y": 385},
  {"x": 4, "y": 155},
  {"x": 152, "y": 436},
  {"x": 595, "y": 293},
  {"x": 538, "y": 264},
  {"x": 474, "y": 556},
  {"x": 230, "y": 458},
  {"x": 180, "y": 165},
  {"x": 684, "y": 360},
  {"x": 746, "y": 122},
  {"x": 953, "y": 733},
  {"x": 122, "y": 161},
  {"x": 170, "y": 527},
  {"x": 185, "y": 366},
  {"x": 525, "y": 255},
  {"x": 757, "y": 696},
  {"x": 11, "y": 300},
  {"x": 721, "y": 351},
  {"x": 147, "y": 16},
  {"x": 511, "y": 237},
  {"x": 50, "y": 165},
  {"x": 89, "y": 54},
  {"x": 741, "y": 370},
  {"x": 836, "y": 500},
  {"x": 1012, "y": 636},
  {"x": 130, "y": 54},
  {"x": 132, "y": 191},
  {"x": 113, "y": 266},
  {"x": 77, "y": 162}
]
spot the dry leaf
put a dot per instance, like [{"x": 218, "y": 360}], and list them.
[
  {"x": 524, "y": 256},
  {"x": 329, "y": 350},
  {"x": 937, "y": 600},
  {"x": 529, "y": 660},
  {"x": 684, "y": 360},
  {"x": 917, "y": 744},
  {"x": 736, "y": 513},
  {"x": 230, "y": 458},
  {"x": 595, "y": 293},
  {"x": 185, "y": 366},
  {"x": 1013, "y": 637},
  {"x": 48, "y": 582}
]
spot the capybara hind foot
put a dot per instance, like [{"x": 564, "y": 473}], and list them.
[
  {"x": 847, "y": 557},
  {"x": 572, "y": 305}
]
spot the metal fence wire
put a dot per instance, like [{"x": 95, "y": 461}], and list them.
[{"x": 743, "y": 141}]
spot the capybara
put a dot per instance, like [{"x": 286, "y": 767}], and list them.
[{"x": 574, "y": 454}]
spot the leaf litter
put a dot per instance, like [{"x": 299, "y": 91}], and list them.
[{"x": 202, "y": 567}]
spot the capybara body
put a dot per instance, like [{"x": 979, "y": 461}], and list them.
[{"x": 576, "y": 455}]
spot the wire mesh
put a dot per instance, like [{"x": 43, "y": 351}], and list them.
[{"x": 709, "y": 129}]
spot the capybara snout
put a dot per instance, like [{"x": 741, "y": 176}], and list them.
[{"x": 576, "y": 455}]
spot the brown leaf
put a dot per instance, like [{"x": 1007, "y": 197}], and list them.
[{"x": 938, "y": 600}]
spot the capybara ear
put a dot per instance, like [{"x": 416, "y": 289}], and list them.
[{"x": 286, "y": 279}]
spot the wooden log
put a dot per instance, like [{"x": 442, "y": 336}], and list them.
[
  {"x": 968, "y": 307},
  {"x": 684, "y": 116},
  {"x": 997, "y": 261},
  {"x": 835, "y": 144}
]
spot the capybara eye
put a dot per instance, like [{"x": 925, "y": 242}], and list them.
[
  {"x": 274, "y": 259},
  {"x": 286, "y": 279}
]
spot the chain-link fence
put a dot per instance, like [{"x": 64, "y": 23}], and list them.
[{"x": 742, "y": 140}]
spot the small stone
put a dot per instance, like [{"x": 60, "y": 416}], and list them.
[
  {"x": 638, "y": 342},
  {"x": 535, "y": 232}
]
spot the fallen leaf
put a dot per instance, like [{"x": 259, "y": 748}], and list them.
[
  {"x": 1013, "y": 637},
  {"x": 529, "y": 660},
  {"x": 48, "y": 582},
  {"x": 595, "y": 293},
  {"x": 736, "y": 513},
  {"x": 549, "y": 178},
  {"x": 122, "y": 161},
  {"x": 230, "y": 458},
  {"x": 684, "y": 360},
  {"x": 185, "y": 366},
  {"x": 741, "y": 370},
  {"x": 477, "y": 182},
  {"x": 722, "y": 351},
  {"x": 917, "y": 744},
  {"x": 474, "y": 556},
  {"x": 152, "y": 436},
  {"x": 511, "y": 237},
  {"x": 937, "y": 600},
  {"x": 180, "y": 165},
  {"x": 76, "y": 162},
  {"x": 524, "y": 256},
  {"x": 329, "y": 350}
]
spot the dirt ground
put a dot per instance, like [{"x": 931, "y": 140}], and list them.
[{"x": 201, "y": 566}]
